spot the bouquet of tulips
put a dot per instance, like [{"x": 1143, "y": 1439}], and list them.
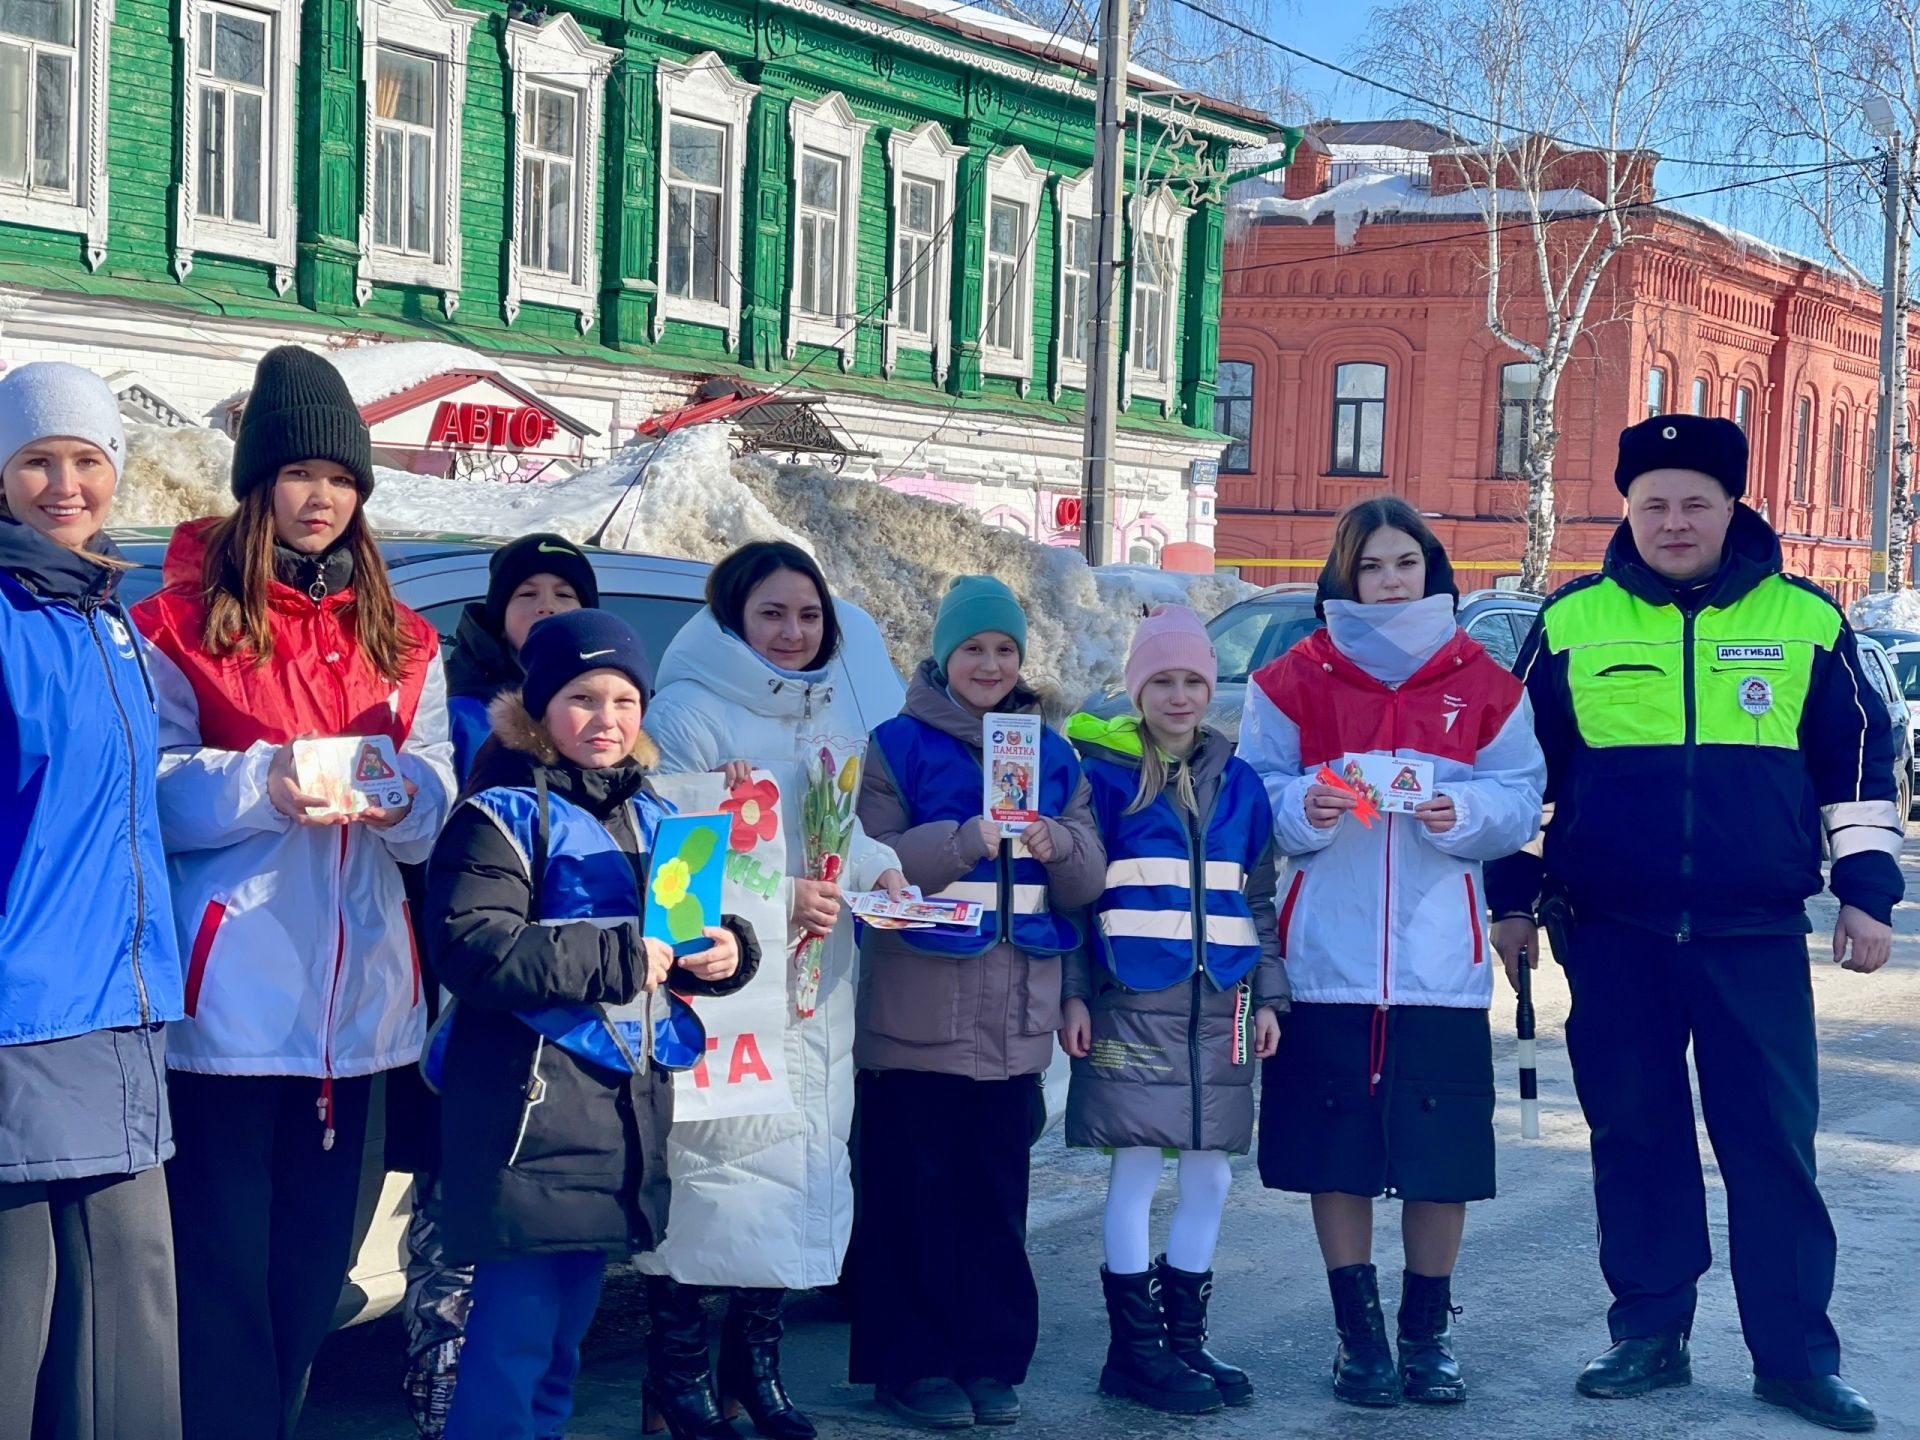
[{"x": 826, "y": 828}]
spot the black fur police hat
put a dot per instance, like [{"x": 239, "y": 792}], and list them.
[{"x": 1684, "y": 442}]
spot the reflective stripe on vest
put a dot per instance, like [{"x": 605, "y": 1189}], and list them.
[
  {"x": 1153, "y": 932},
  {"x": 588, "y": 877},
  {"x": 939, "y": 778},
  {"x": 1752, "y": 665}
]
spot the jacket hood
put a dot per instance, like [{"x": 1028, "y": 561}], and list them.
[
  {"x": 706, "y": 654},
  {"x": 520, "y": 734},
  {"x": 186, "y": 557},
  {"x": 52, "y": 571},
  {"x": 1121, "y": 740},
  {"x": 930, "y": 704},
  {"x": 480, "y": 665},
  {"x": 1752, "y": 554}
]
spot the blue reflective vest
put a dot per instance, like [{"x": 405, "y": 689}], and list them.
[
  {"x": 1172, "y": 903},
  {"x": 587, "y": 877},
  {"x": 940, "y": 778}
]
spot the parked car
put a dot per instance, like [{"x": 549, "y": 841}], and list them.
[
  {"x": 438, "y": 576},
  {"x": 1884, "y": 675},
  {"x": 1903, "y": 653},
  {"x": 1264, "y": 627}
]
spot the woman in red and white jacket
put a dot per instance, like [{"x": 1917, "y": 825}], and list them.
[
  {"x": 1383, "y": 1082},
  {"x": 302, "y": 983}
]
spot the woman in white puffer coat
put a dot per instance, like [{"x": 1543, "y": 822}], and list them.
[{"x": 763, "y": 1204}]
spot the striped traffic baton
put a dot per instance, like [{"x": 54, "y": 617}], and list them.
[{"x": 1523, "y": 1028}]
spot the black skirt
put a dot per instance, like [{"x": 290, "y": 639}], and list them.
[{"x": 1422, "y": 1131}]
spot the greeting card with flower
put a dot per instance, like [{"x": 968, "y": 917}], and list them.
[{"x": 683, "y": 885}]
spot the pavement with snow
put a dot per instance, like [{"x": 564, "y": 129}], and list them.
[{"x": 1534, "y": 1307}]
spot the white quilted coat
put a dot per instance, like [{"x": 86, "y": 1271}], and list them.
[{"x": 766, "y": 1201}]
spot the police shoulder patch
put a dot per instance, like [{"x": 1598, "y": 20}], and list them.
[{"x": 1750, "y": 652}]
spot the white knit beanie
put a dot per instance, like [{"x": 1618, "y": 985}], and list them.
[{"x": 51, "y": 399}]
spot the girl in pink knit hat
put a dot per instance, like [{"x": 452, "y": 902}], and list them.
[{"x": 1178, "y": 991}]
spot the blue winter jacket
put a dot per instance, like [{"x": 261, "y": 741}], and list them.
[{"x": 86, "y": 926}]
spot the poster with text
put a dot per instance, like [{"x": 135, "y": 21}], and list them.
[{"x": 745, "y": 1070}]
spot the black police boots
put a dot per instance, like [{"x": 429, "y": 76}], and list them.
[
  {"x": 1824, "y": 1399},
  {"x": 1363, "y": 1368},
  {"x": 1636, "y": 1365}
]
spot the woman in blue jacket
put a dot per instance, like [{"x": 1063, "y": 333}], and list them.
[{"x": 89, "y": 974}]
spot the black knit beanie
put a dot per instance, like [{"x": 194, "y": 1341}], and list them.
[
  {"x": 299, "y": 409},
  {"x": 538, "y": 554}
]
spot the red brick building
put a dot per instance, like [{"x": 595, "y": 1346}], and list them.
[{"x": 1363, "y": 367}]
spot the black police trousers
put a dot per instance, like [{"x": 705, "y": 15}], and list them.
[{"x": 1747, "y": 1006}]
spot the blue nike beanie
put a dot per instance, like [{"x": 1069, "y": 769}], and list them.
[
  {"x": 562, "y": 648},
  {"x": 973, "y": 605}
]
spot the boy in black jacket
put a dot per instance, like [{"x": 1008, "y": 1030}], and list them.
[{"x": 554, "y": 1066}]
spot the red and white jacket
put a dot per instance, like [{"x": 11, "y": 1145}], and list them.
[
  {"x": 1393, "y": 914},
  {"x": 300, "y": 956}
]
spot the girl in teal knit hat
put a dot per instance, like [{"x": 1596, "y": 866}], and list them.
[{"x": 954, "y": 1030}]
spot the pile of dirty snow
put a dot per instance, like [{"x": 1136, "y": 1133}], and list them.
[
  {"x": 1892, "y": 610},
  {"x": 684, "y": 495}
]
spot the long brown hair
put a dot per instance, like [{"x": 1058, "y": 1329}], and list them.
[
  {"x": 1340, "y": 577},
  {"x": 239, "y": 569}
]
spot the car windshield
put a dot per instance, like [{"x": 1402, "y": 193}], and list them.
[
  {"x": 1906, "y": 666},
  {"x": 1253, "y": 632}
]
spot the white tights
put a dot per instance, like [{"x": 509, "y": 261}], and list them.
[{"x": 1204, "y": 1178}]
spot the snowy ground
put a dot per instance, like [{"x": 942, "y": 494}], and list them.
[
  {"x": 683, "y": 495},
  {"x": 1895, "y": 610}
]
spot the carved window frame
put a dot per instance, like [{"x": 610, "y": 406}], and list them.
[
  {"x": 559, "y": 56},
  {"x": 84, "y": 213},
  {"x": 706, "y": 91},
  {"x": 1072, "y": 200},
  {"x": 925, "y": 155},
  {"x": 1012, "y": 176},
  {"x": 429, "y": 30},
  {"x": 829, "y": 128},
  {"x": 272, "y": 242},
  {"x": 1161, "y": 221}
]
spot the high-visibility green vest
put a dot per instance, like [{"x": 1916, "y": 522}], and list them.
[{"x": 1645, "y": 674}]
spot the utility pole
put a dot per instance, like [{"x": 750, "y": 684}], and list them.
[
  {"x": 1891, "y": 314},
  {"x": 1103, "y": 366}
]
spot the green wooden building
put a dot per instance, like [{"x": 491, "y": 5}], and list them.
[{"x": 885, "y": 202}]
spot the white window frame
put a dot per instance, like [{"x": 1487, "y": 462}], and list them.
[
  {"x": 1072, "y": 200},
  {"x": 828, "y": 127},
  {"x": 1159, "y": 220},
  {"x": 428, "y": 30},
  {"x": 1013, "y": 176},
  {"x": 271, "y": 242},
  {"x": 928, "y": 156},
  {"x": 706, "y": 91},
  {"x": 83, "y": 210},
  {"x": 559, "y": 56}
]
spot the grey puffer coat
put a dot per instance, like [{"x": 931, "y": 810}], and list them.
[
  {"x": 990, "y": 1016},
  {"x": 1162, "y": 1070}
]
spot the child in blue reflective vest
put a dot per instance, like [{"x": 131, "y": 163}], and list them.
[
  {"x": 554, "y": 1107},
  {"x": 1180, "y": 989},
  {"x": 954, "y": 1032}
]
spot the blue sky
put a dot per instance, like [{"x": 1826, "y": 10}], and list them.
[{"x": 1333, "y": 28}]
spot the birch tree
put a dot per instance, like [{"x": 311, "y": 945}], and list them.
[
  {"x": 1804, "y": 74},
  {"x": 1568, "y": 93}
]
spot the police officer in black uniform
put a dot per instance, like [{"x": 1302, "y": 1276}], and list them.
[{"x": 1704, "y": 717}]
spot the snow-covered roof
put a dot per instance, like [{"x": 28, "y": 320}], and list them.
[
  {"x": 1355, "y": 202},
  {"x": 1746, "y": 243},
  {"x": 373, "y": 372},
  {"x": 1058, "y": 44}
]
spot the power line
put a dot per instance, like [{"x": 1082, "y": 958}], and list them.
[
  {"x": 1593, "y": 214},
  {"x": 1452, "y": 111}
]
